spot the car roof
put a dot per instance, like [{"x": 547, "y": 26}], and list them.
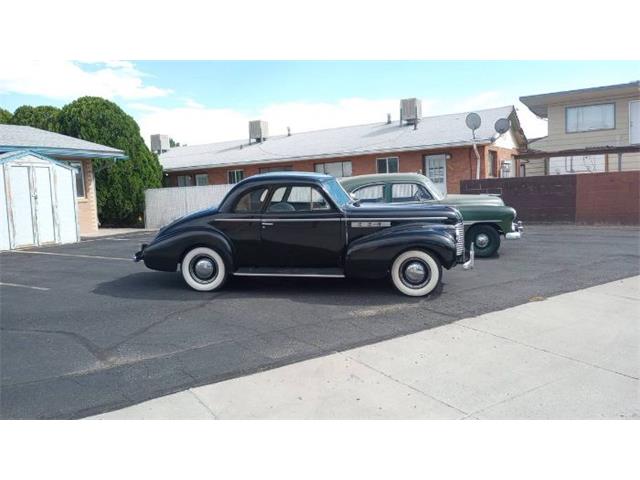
[
  {"x": 287, "y": 176},
  {"x": 381, "y": 177}
]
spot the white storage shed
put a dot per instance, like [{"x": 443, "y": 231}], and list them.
[{"x": 37, "y": 201}]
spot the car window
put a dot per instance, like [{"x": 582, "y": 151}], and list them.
[
  {"x": 408, "y": 192},
  {"x": 297, "y": 199},
  {"x": 370, "y": 194},
  {"x": 251, "y": 202}
]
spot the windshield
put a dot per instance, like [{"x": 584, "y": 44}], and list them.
[
  {"x": 435, "y": 191},
  {"x": 339, "y": 195}
]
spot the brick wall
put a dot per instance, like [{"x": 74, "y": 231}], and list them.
[
  {"x": 610, "y": 198},
  {"x": 460, "y": 166}
]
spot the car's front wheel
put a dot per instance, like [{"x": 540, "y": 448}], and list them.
[
  {"x": 485, "y": 238},
  {"x": 203, "y": 269},
  {"x": 416, "y": 273}
]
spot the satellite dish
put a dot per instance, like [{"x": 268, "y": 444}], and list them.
[
  {"x": 502, "y": 125},
  {"x": 473, "y": 121}
]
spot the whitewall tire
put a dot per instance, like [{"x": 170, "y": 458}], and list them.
[
  {"x": 416, "y": 273},
  {"x": 203, "y": 269}
]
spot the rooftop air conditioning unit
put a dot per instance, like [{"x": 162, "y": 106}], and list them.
[
  {"x": 258, "y": 130},
  {"x": 159, "y": 143},
  {"x": 410, "y": 111}
]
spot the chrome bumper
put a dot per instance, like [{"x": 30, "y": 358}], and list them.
[
  {"x": 468, "y": 265},
  {"x": 516, "y": 233},
  {"x": 140, "y": 254}
]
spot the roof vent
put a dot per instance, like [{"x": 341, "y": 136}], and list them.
[
  {"x": 258, "y": 130},
  {"x": 388, "y": 118},
  {"x": 159, "y": 143},
  {"x": 410, "y": 111}
]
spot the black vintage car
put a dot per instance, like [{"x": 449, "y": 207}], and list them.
[{"x": 305, "y": 225}]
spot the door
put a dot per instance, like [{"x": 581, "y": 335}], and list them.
[
  {"x": 435, "y": 167},
  {"x": 43, "y": 205},
  {"x": 634, "y": 122},
  {"x": 300, "y": 228},
  {"x": 21, "y": 211},
  {"x": 242, "y": 226}
]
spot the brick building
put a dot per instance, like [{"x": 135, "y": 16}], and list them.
[{"x": 438, "y": 146}]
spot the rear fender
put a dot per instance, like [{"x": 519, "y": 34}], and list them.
[
  {"x": 371, "y": 256},
  {"x": 166, "y": 252}
]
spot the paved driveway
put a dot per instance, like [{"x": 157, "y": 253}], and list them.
[{"x": 85, "y": 330}]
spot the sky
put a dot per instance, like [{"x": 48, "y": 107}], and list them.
[{"x": 198, "y": 102}]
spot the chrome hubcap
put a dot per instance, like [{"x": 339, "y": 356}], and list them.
[
  {"x": 415, "y": 272},
  {"x": 204, "y": 269},
  {"x": 482, "y": 240}
]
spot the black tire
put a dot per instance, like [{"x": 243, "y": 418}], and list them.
[{"x": 485, "y": 238}]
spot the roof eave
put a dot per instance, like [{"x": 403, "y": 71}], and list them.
[
  {"x": 68, "y": 152},
  {"x": 465, "y": 143}
]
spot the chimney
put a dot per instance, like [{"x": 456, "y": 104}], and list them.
[
  {"x": 410, "y": 111},
  {"x": 288, "y": 131},
  {"x": 388, "y": 118},
  {"x": 258, "y": 130},
  {"x": 159, "y": 143}
]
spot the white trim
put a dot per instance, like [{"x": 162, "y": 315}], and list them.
[{"x": 637, "y": 120}]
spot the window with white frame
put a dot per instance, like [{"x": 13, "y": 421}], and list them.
[
  {"x": 590, "y": 117},
  {"x": 234, "y": 176},
  {"x": 202, "y": 179},
  {"x": 335, "y": 169},
  {"x": 185, "y": 180},
  {"x": 387, "y": 165},
  {"x": 78, "y": 169}
]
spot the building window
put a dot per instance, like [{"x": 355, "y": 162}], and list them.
[
  {"x": 576, "y": 164},
  {"x": 335, "y": 169},
  {"x": 202, "y": 179},
  {"x": 591, "y": 117},
  {"x": 286, "y": 168},
  {"x": 493, "y": 163},
  {"x": 78, "y": 169},
  {"x": 234, "y": 176},
  {"x": 185, "y": 180},
  {"x": 387, "y": 165}
]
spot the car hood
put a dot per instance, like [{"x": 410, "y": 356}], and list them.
[
  {"x": 461, "y": 199},
  {"x": 390, "y": 210}
]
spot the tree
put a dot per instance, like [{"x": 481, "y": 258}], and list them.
[
  {"x": 44, "y": 117},
  {"x": 5, "y": 116},
  {"x": 120, "y": 184}
]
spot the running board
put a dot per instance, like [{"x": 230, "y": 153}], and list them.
[{"x": 289, "y": 272}]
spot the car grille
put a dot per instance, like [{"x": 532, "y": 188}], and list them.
[{"x": 459, "y": 238}]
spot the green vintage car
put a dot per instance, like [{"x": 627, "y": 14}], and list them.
[{"x": 485, "y": 217}]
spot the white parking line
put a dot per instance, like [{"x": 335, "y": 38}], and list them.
[
  {"x": 71, "y": 255},
  {"x": 3, "y": 284}
]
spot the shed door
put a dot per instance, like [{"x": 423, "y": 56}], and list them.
[
  {"x": 634, "y": 122},
  {"x": 44, "y": 204},
  {"x": 21, "y": 203}
]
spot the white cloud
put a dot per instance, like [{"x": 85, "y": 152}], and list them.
[
  {"x": 66, "y": 80},
  {"x": 194, "y": 123}
]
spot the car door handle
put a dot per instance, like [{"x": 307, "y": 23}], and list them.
[{"x": 267, "y": 224}]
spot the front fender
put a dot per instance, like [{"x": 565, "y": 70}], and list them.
[
  {"x": 371, "y": 256},
  {"x": 165, "y": 252},
  {"x": 501, "y": 217}
]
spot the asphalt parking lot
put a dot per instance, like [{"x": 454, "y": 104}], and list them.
[{"x": 85, "y": 330}]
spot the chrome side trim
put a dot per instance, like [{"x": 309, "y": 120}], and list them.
[
  {"x": 348, "y": 219},
  {"x": 471, "y": 222},
  {"x": 311, "y": 275}
]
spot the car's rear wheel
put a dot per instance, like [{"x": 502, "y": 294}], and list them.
[
  {"x": 485, "y": 238},
  {"x": 416, "y": 273},
  {"x": 203, "y": 269}
]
